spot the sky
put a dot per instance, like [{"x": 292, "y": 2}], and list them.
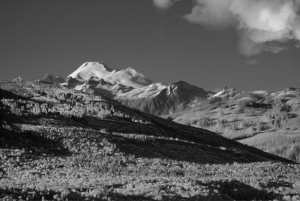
[{"x": 244, "y": 44}]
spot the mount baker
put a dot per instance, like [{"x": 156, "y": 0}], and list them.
[{"x": 131, "y": 88}]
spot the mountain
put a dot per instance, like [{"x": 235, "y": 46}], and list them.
[
  {"x": 159, "y": 99},
  {"x": 91, "y": 69},
  {"x": 133, "y": 89},
  {"x": 97, "y": 71},
  {"x": 101, "y": 79},
  {"x": 53, "y": 79}
]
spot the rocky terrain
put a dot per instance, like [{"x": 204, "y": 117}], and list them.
[{"x": 58, "y": 143}]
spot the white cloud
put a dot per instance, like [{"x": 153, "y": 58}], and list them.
[
  {"x": 212, "y": 13},
  {"x": 263, "y": 25}
]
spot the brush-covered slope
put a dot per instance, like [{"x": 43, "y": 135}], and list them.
[
  {"x": 267, "y": 120},
  {"x": 57, "y": 143},
  {"x": 161, "y": 99}
]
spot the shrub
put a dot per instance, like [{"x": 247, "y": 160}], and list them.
[
  {"x": 102, "y": 114},
  {"x": 214, "y": 100},
  {"x": 296, "y": 108},
  {"x": 170, "y": 118},
  {"x": 242, "y": 125},
  {"x": 250, "y": 131},
  {"x": 205, "y": 122},
  {"x": 259, "y": 126},
  {"x": 242, "y": 95},
  {"x": 260, "y": 97},
  {"x": 251, "y": 112},
  {"x": 222, "y": 121},
  {"x": 295, "y": 123},
  {"x": 281, "y": 106},
  {"x": 36, "y": 110},
  {"x": 294, "y": 153},
  {"x": 239, "y": 110},
  {"x": 234, "y": 127},
  {"x": 246, "y": 102}
]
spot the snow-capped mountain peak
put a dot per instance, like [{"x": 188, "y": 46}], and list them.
[
  {"x": 91, "y": 69},
  {"x": 97, "y": 71}
]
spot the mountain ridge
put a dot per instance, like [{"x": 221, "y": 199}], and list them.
[{"x": 133, "y": 89}]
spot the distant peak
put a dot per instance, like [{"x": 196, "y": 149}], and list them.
[
  {"x": 129, "y": 68},
  {"x": 18, "y": 79},
  {"x": 290, "y": 89},
  {"x": 48, "y": 75},
  {"x": 132, "y": 71},
  {"x": 228, "y": 89},
  {"x": 96, "y": 64},
  {"x": 92, "y": 63},
  {"x": 180, "y": 82}
]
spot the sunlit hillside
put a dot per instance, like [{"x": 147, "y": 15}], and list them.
[{"x": 268, "y": 121}]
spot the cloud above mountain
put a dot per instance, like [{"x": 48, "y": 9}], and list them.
[{"x": 263, "y": 25}]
